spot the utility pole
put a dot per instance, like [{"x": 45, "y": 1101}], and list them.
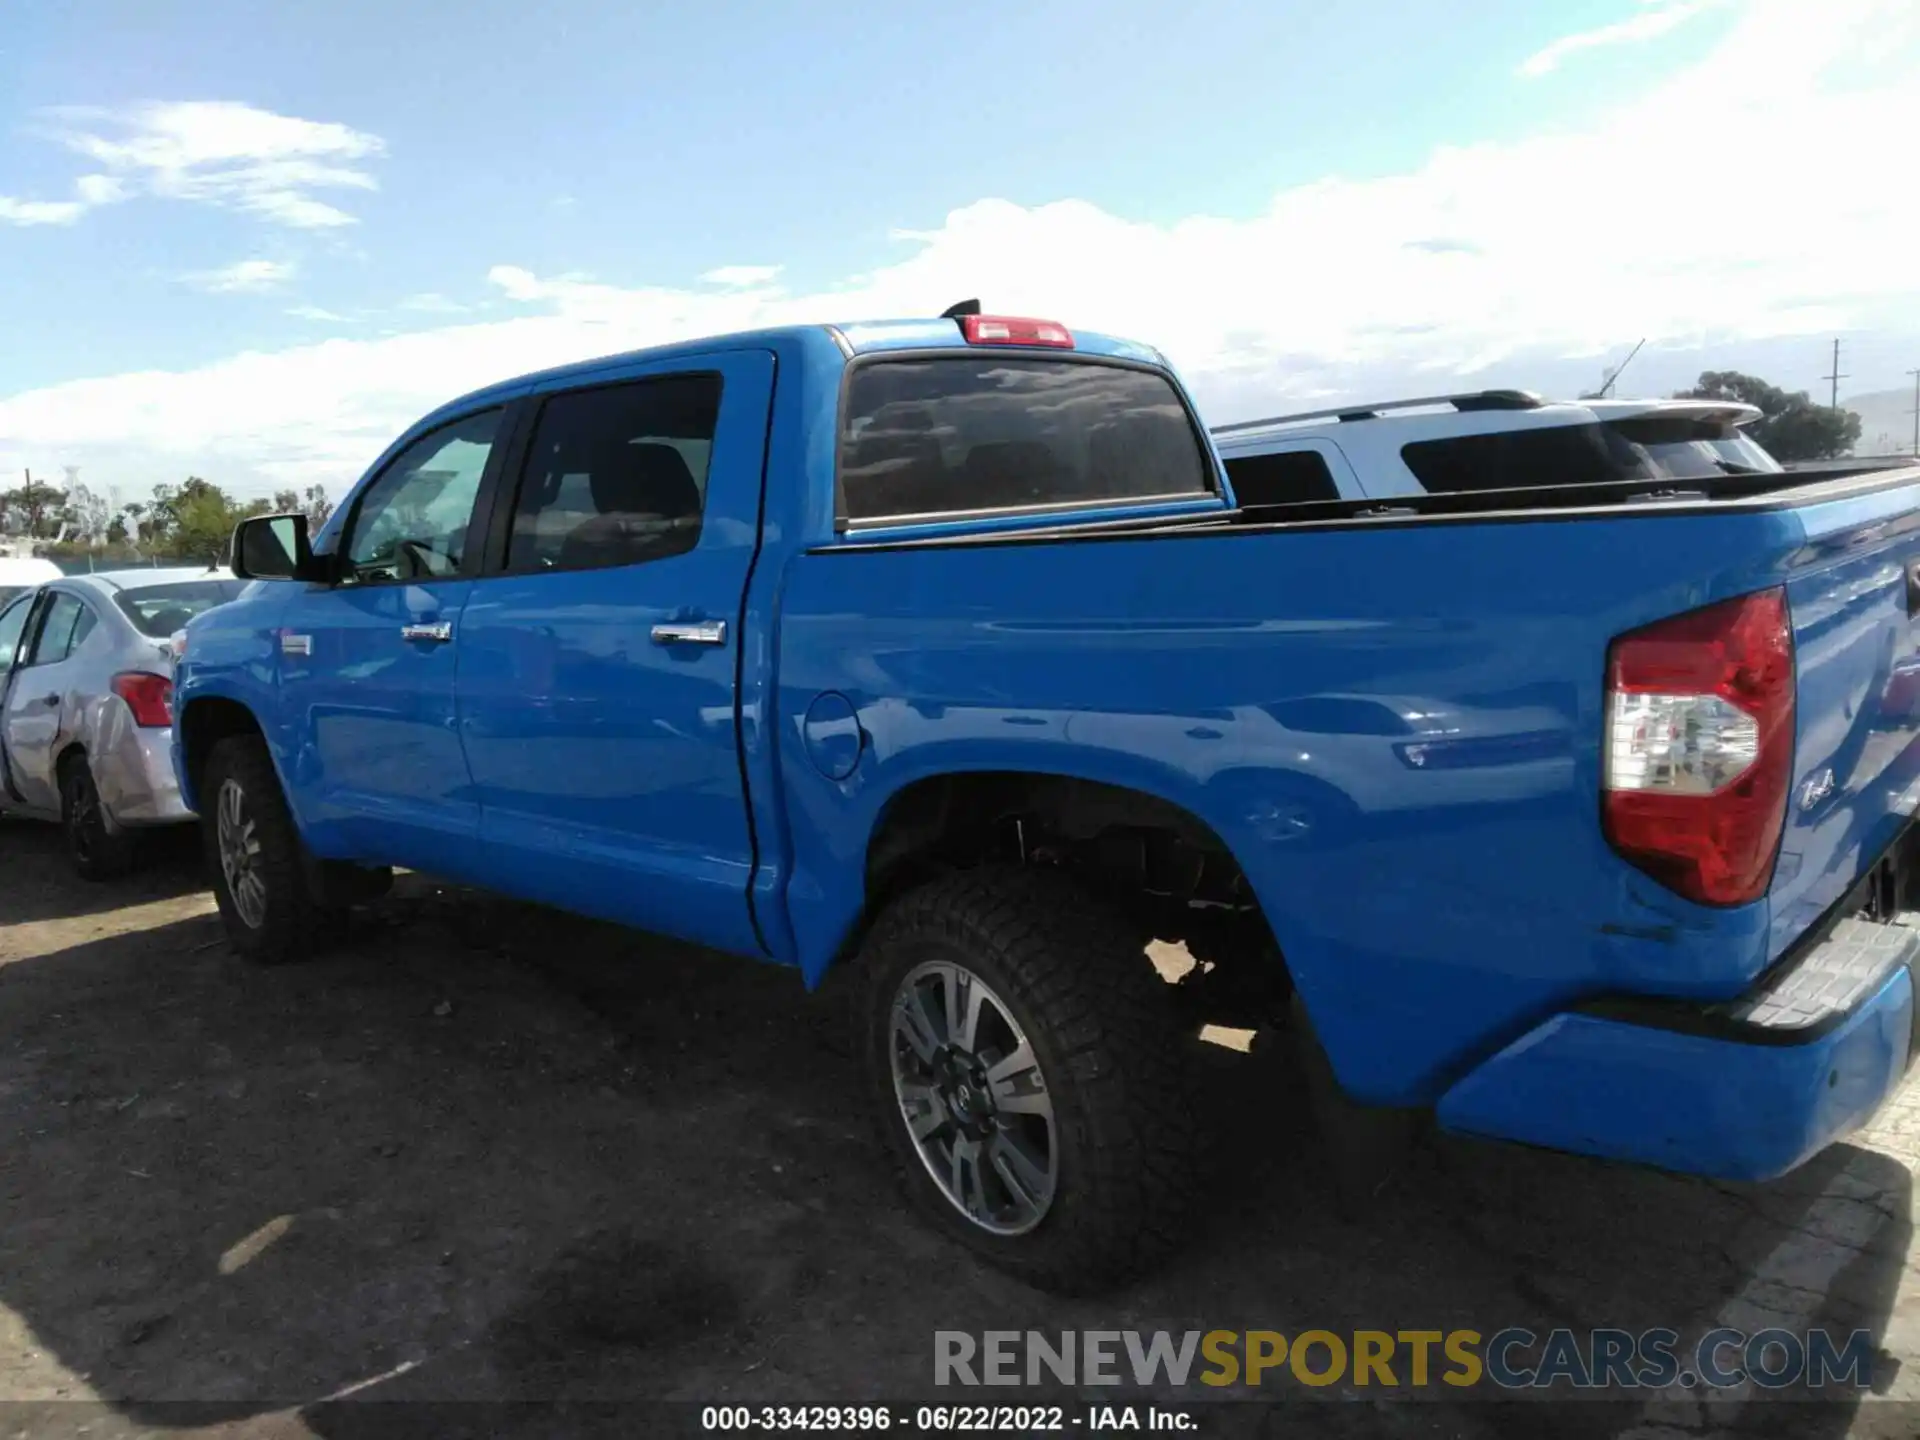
[
  {"x": 1835, "y": 378},
  {"x": 1916, "y": 412}
]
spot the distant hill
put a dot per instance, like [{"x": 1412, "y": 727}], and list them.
[{"x": 1886, "y": 421}]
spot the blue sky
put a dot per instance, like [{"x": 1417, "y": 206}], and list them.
[{"x": 328, "y": 218}]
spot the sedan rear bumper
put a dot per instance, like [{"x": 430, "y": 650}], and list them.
[{"x": 133, "y": 770}]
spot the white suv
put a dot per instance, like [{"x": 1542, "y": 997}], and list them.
[{"x": 1484, "y": 440}]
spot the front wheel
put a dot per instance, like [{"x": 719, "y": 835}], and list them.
[
  {"x": 253, "y": 851},
  {"x": 1029, "y": 1076}
]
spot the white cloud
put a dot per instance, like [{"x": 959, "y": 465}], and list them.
[
  {"x": 1657, "y": 18},
  {"x": 215, "y": 152},
  {"x": 317, "y": 312},
  {"x": 89, "y": 192},
  {"x": 1746, "y": 197},
  {"x": 40, "y": 212},
  {"x": 243, "y": 277},
  {"x": 743, "y": 277},
  {"x": 99, "y": 189}
]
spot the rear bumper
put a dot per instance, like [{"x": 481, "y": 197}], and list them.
[
  {"x": 1741, "y": 1091},
  {"x": 133, "y": 770}
]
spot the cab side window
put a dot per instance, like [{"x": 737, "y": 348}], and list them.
[
  {"x": 13, "y": 627},
  {"x": 411, "y": 523},
  {"x": 616, "y": 475}
]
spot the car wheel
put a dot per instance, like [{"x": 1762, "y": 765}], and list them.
[
  {"x": 1029, "y": 1078},
  {"x": 255, "y": 857},
  {"x": 97, "y": 852}
]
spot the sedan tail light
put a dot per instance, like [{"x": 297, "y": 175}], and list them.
[
  {"x": 1700, "y": 747},
  {"x": 149, "y": 697}
]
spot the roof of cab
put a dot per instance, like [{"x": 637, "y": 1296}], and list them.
[{"x": 863, "y": 337}]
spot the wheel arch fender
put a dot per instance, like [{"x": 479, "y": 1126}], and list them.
[
  {"x": 841, "y": 905},
  {"x": 205, "y": 718}
]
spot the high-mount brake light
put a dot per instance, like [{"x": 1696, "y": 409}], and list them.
[
  {"x": 1699, "y": 747},
  {"x": 1012, "y": 330}
]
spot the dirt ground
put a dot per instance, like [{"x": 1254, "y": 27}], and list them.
[{"x": 487, "y": 1153}]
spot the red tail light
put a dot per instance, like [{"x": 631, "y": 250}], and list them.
[
  {"x": 1008, "y": 330},
  {"x": 149, "y": 697},
  {"x": 1700, "y": 747}
]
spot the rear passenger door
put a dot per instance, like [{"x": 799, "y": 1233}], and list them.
[
  {"x": 41, "y": 706},
  {"x": 600, "y": 650}
]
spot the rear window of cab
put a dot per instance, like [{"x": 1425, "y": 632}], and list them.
[{"x": 946, "y": 437}]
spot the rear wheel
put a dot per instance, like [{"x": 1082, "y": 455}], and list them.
[
  {"x": 254, "y": 853},
  {"x": 98, "y": 851},
  {"x": 1028, "y": 1075}
]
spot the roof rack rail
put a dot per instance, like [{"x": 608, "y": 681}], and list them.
[{"x": 1469, "y": 400}]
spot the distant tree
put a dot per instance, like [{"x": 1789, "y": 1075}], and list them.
[
  {"x": 319, "y": 508},
  {"x": 200, "y": 520},
  {"x": 163, "y": 513},
  {"x": 285, "y": 502},
  {"x": 33, "y": 508},
  {"x": 203, "y": 519},
  {"x": 122, "y": 530},
  {"x": 1793, "y": 427}
]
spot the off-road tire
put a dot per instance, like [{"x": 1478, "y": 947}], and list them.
[
  {"x": 1099, "y": 1021},
  {"x": 294, "y": 926},
  {"x": 96, "y": 851}
]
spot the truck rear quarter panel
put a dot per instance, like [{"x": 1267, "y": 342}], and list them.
[{"x": 1394, "y": 727}]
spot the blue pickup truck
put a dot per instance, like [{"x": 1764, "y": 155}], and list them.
[{"x": 1576, "y": 815}]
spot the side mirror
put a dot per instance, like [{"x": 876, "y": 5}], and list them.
[{"x": 272, "y": 547}]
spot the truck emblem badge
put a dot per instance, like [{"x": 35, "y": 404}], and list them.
[
  {"x": 291, "y": 644},
  {"x": 1816, "y": 787}
]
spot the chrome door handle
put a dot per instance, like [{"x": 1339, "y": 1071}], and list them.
[
  {"x": 700, "y": 632},
  {"x": 439, "y": 633}
]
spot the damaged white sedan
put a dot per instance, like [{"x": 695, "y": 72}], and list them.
[{"x": 86, "y": 705}]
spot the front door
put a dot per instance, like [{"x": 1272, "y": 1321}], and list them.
[
  {"x": 597, "y": 669},
  {"x": 41, "y": 706},
  {"x": 367, "y": 662},
  {"x": 13, "y": 631}
]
